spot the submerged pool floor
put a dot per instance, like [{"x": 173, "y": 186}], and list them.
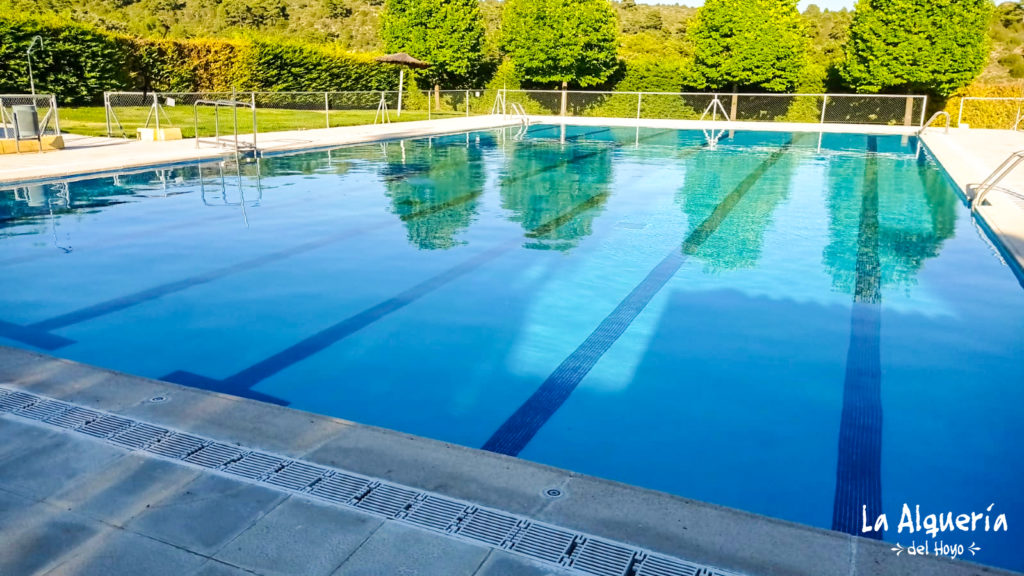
[{"x": 795, "y": 325}]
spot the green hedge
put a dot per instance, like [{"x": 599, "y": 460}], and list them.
[{"x": 79, "y": 63}]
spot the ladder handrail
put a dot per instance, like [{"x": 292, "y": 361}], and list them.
[
  {"x": 933, "y": 119},
  {"x": 520, "y": 112},
  {"x": 234, "y": 105},
  {"x": 992, "y": 182}
]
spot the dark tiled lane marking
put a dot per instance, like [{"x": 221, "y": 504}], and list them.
[
  {"x": 516, "y": 432},
  {"x": 241, "y": 383},
  {"x": 859, "y": 468}
]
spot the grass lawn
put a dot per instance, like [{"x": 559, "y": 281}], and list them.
[{"x": 91, "y": 120}]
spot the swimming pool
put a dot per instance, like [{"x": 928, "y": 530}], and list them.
[{"x": 797, "y": 325}]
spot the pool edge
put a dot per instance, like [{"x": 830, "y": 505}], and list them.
[{"x": 695, "y": 531}]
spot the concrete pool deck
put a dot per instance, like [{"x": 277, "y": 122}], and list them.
[
  {"x": 74, "y": 504},
  {"x": 969, "y": 156},
  {"x": 86, "y": 155}
]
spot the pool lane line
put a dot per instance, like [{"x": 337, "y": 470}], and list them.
[
  {"x": 520, "y": 428},
  {"x": 242, "y": 382},
  {"x": 859, "y": 465},
  {"x": 36, "y": 334}
]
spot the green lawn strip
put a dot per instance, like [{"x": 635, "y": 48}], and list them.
[{"x": 91, "y": 121}]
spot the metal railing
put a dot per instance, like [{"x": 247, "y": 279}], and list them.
[
  {"x": 873, "y": 109},
  {"x": 935, "y": 117},
  {"x": 1001, "y": 113},
  {"x": 217, "y": 105},
  {"x": 976, "y": 193},
  {"x": 282, "y": 111},
  {"x": 45, "y": 104},
  {"x": 125, "y": 112}
]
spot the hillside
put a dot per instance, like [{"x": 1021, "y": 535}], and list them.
[{"x": 647, "y": 31}]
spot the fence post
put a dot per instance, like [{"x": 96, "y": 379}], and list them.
[
  {"x": 639, "y": 100},
  {"x": 252, "y": 97},
  {"x": 156, "y": 112},
  {"x": 565, "y": 98},
  {"x": 908, "y": 111},
  {"x": 824, "y": 103},
  {"x": 924, "y": 109},
  {"x": 56, "y": 113},
  {"x": 106, "y": 112},
  {"x": 327, "y": 110},
  {"x": 467, "y": 103}
]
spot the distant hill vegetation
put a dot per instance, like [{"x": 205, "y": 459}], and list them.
[{"x": 656, "y": 44}]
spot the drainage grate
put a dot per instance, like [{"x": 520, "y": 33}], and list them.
[
  {"x": 661, "y": 566},
  {"x": 255, "y": 465},
  {"x": 106, "y": 426},
  {"x": 297, "y": 476},
  {"x": 490, "y": 527},
  {"x": 555, "y": 546},
  {"x": 16, "y": 401},
  {"x": 544, "y": 542},
  {"x": 43, "y": 410},
  {"x": 341, "y": 488},
  {"x": 140, "y": 436},
  {"x": 603, "y": 558},
  {"x": 215, "y": 455},
  {"x": 177, "y": 446},
  {"x": 436, "y": 513},
  {"x": 74, "y": 418},
  {"x": 386, "y": 500}
]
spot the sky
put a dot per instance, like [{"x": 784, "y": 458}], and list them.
[{"x": 833, "y": 4}]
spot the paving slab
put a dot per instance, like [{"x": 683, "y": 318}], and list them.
[
  {"x": 124, "y": 489},
  {"x": 207, "y": 513},
  {"x": 505, "y": 564},
  {"x": 216, "y": 568},
  {"x": 300, "y": 537},
  {"x": 37, "y": 537},
  {"x": 116, "y": 551},
  {"x": 47, "y": 467},
  {"x": 395, "y": 550},
  {"x": 482, "y": 477},
  {"x": 700, "y": 532}
]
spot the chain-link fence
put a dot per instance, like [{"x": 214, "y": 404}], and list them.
[
  {"x": 804, "y": 108},
  {"x": 994, "y": 113},
  {"x": 45, "y": 107},
  {"x": 127, "y": 112}
]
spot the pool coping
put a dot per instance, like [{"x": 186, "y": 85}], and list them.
[
  {"x": 164, "y": 154},
  {"x": 49, "y": 166},
  {"x": 694, "y": 531},
  {"x": 1001, "y": 220}
]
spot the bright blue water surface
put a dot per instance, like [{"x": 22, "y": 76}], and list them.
[{"x": 787, "y": 325}]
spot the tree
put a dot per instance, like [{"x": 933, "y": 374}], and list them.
[
  {"x": 561, "y": 40},
  {"x": 934, "y": 46},
  {"x": 447, "y": 33},
  {"x": 759, "y": 44}
]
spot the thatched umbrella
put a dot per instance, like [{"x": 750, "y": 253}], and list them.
[{"x": 403, "y": 60}]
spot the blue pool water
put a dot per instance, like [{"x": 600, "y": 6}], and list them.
[{"x": 791, "y": 324}]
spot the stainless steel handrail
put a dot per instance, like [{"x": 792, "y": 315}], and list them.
[
  {"x": 217, "y": 105},
  {"x": 935, "y": 117},
  {"x": 976, "y": 192}
]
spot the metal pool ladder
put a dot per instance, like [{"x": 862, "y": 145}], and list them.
[
  {"x": 234, "y": 105},
  {"x": 976, "y": 192},
  {"x": 519, "y": 112},
  {"x": 935, "y": 117}
]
